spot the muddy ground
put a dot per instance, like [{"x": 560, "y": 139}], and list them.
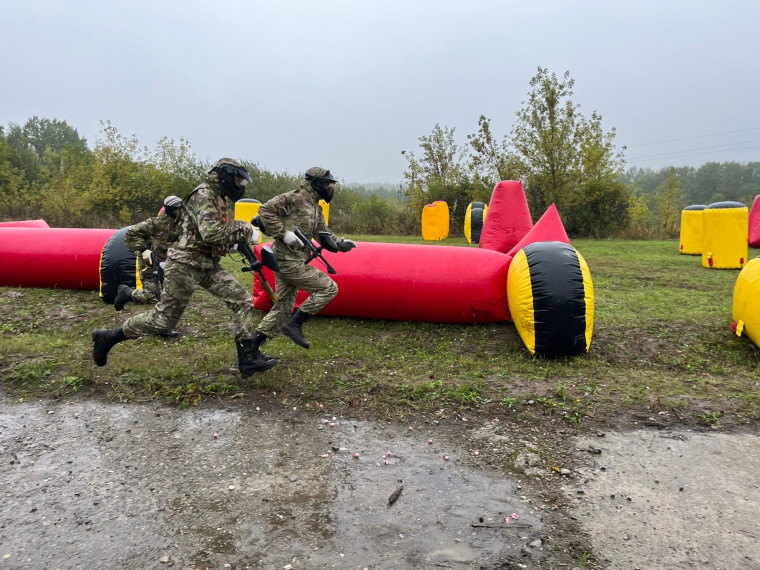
[{"x": 90, "y": 484}]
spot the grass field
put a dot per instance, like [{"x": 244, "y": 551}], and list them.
[{"x": 662, "y": 342}]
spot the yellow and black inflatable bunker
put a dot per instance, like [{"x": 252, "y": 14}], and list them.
[
  {"x": 724, "y": 235},
  {"x": 691, "y": 230},
  {"x": 551, "y": 299},
  {"x": 473, "y": 221},
  {"x": 246, "y": 209},
  {"x": 435, "y": 221},
  {"x": 118, "y": 264},
  {"x": 746, "y": 308}
]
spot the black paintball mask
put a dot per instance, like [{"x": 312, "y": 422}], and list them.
[
  {"x": 232, "y": 178},
  {"x": 322, "y": 182}
]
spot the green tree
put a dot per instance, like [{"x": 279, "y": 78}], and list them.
[
  {"x": 439, "y": 174},
  {"x": 14, "y": 201},
  {"x": 669, "y": 202},
  {"x": 560, "y": 156}
]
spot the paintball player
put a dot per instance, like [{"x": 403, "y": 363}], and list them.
[
  {"x": 280, "y": 216},
  {"x": 193, "y": 260},
  {"x": 150, "y": 240}
]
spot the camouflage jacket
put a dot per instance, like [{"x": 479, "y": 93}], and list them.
[
  {"x": 295, "y": 209},
  {"x": 206, "y": 230},
  {"x": 155, "y": 234}
]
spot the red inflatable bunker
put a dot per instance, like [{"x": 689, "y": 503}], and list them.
[
  {"x": 508, "y": 218},
  {"x": 64, "y": 258},
  {"x": 442, "y": 284},
  {"x": 754, "y": 223}
]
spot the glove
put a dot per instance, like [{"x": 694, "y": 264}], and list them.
[
  {"x": 255, "y": 236},
  {"x": 291, "y": 239},
  {"x": 147, "y": 256},
  {"x": 346, "y": 245}
]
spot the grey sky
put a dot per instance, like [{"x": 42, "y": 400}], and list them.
[{"x": 349, "y": 84}]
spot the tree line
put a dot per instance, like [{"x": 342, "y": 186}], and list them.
[{"x": 561, "y": 156}]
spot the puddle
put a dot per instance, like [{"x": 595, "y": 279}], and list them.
[{"x": 90, "y": 485}]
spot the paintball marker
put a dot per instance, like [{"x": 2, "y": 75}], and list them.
[
  {"x": 326, "y": 242},
  {"x": 158, "y": 273},
  {"x": 267, "y": 259}
]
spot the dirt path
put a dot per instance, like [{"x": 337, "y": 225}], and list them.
[{"x": 97, "y": 485}]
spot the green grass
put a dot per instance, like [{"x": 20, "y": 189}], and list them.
[{"x": 662, "y": 343}]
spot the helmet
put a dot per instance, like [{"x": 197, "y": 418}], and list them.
[
  {"x": 172, "y": 204},
  {"x": 322, "y": 182},
  {"x": 228, "y": 171}
]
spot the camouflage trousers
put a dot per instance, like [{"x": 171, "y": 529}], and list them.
[
  {"x": 149, "y": 294},
  {"x": 295, "y": 275},
  {"x": 180, "y": 282}
]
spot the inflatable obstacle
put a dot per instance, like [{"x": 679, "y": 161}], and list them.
[
  {"x": 551, "y": 299},
  {"x": 435, "y": 221},
  {"x": 473, "y": 221},
  {"x": 508, "y": 217},
  {"x": 118, "y": 264},
  {"x": 753, "y": 222},
  {"x": 442, "y": 284},
  {"x": 691, "y": 230},
  {"x": 724, "y": 235},
  {"x": 246, "y": 209},
  {"x": 746, "y": 308},
  {"x": 65, "y": 258}
]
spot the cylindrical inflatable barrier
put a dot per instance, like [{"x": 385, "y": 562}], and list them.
[
  {"x": 435, "y": 221},
  {"x": 754, "y": 223},
  {"x": 246, "y": 209},
  {"x": 473, "y": 221},
  {"x": 66, "y": 258},
  {"x": 441, "y": 284},
  {"x": 691, "y": 230},
  {"x": 724, "y": 235},
  {"x": 746, "y": 309},
  {"x": 118, "y": 264},
  {"x": 508, "y": 218},
  {"x": 551, "y": 299},
  {"x": 25, "y": 224}
]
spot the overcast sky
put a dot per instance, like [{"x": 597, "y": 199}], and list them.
[{"x": 349, "y": 84}]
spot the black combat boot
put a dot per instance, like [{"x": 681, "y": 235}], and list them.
[
  {"x": 292, "y": 329},
  {"x": 123, "y": 296},
  {"x": 250, "y": 359},
  {"x": 104, "y": 340}
]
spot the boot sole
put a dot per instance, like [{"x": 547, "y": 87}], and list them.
[
  {"x": 268, "y": 365},
  {"x": 304, "y": 343}
]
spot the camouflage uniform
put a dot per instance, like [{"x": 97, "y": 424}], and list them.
[
  {"x": 155, "y": 234},
  {"x": 194, "y": 260},
  {"x": 295, "y": 209}
]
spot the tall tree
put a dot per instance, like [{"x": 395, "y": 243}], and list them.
[
  {"x": 440, "y": 174},
  {"x": 669, "y": 201},
  {"x": 555, "y": 149}
]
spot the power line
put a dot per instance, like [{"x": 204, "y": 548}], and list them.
[
  {"x": 718, "y": 146},
  {"x": 687, "y": 154},
  {"x": 694, "y": 137}
]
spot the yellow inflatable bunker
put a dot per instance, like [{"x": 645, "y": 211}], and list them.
[
  {"x": 746, "y": 309},
  {"x": 473, "y": 221},
  {"x": 725, "y": 228},
  {"x": 435, "y": 221},
  {"x": 551, "y": 299},
  {"x": 246, "y": 209},
  {"x": 691, "y": 230}
]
